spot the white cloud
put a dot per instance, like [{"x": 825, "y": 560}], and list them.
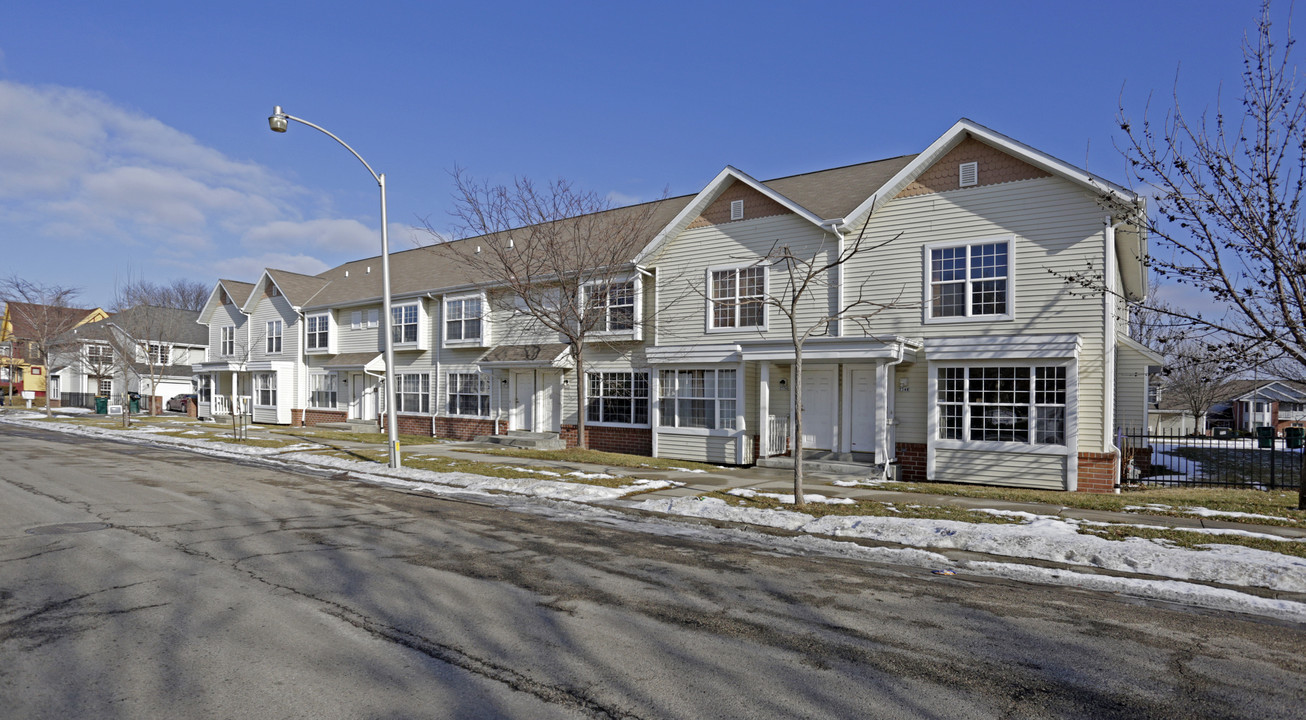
[
  {"x": 250, "y": 268},
  {"x": 349, "y": 237}
]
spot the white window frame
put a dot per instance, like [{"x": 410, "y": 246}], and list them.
[
  {"x": 669, "y": 416},
  {"x": 104, "y": 387},
  {"x": 101, "y": 354},
  {"x": 159, "y": 353},
  {"x": 373, "y": 318},
  {"x": 403, "y": 394},
  {"x": 968, "y": 282},
  {"x": 265, "y": 388},
  {"x": 603, "y": 328},
  {"x": 356, "y": 320},
  {"x": 275, "y": 330},
  {"x": 315, "y": 325},
  {"x": 400, "y": 325},
  {"x": 454, "y": 380},
  {"x": 320, "y": 384},
  {"x": 734, "y": 302},
  {"x": 482, "y": 335},
  {"x": 227, "y": 346},
  {"x": 598, "y": 400},
  {"x": 204, "y": 389},
  {"x": 1067, "y": 421}
]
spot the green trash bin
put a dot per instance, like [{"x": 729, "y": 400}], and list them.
[
  {"x": 134, "y": 404},
  {"x": 1293, "y": 437},
  {"x": 1265, "y": 437},
  {"x": 101, "y": 406}
]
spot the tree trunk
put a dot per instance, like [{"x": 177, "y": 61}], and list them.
[
  {"x": 578, "y": 353},
  {"x": 797, "y": 405}
]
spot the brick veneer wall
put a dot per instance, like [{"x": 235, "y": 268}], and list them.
[
  {"x": 1097, "y": 472},
  {"x": 313, "y": 417},
  {"x": 460, "y": 428},
  {"x": 296, "y": 417},
  {"x": 632, "y": 441},
  {"x": 911, "y": 461}
]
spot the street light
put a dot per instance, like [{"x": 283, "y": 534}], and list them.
[{"x": 278, "y": 123}]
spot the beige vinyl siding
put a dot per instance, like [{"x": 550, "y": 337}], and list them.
[
  {"x": 513, "y": 327},
  {"x": 1043, "y": 472},
  {"x": 1055, "y": 226},
  {"x": 682, "y": 268},
  {"x": 1131, "y": 388},
  {"x": 912, "y": 406},
  {"x": 364, "y": 339},
  {"x": 700, "y": 448}
]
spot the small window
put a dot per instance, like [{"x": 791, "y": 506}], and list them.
[
  {"x": 612, "y": 305},
  {"x": 274, "y": 337},
  {"x": 403, "y": 324},
  {"x": 228, "y": 347},
  {"x": 736, "y": 209},
  {"x": 968, "y": 174},
  {"x": 373, "y": 318},
  {"x": 356, "y": 320},
  {"x": 160, "y": 354}
]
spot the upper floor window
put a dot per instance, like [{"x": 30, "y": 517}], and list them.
[
  {"x": 971, "y": 280},
  {"x": 99, "y": 354},
  {"x": 698, "y": 399},
  {"x": 274, "y": 336},
  {"x": 618, "y": 397},
  {"x": 737, "y": 297},
  {"x": 228, "y": 344},
  {"x": 318, "y": 332},
  {"x": 613, "y": 305},
  {"x": 403, "y": 323},
  {"x": 462, "y": 319},
  {"x": 1012, "y": 404},
  {"x": 160, "y": 354}
]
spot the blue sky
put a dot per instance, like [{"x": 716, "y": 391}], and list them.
[{"x": 134, "y": 138}]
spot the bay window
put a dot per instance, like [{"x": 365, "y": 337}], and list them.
[
  {"x": 698, "y": 399},
  {"x": 1012, "y": 404},
  {"x": 617, "y": 397}
]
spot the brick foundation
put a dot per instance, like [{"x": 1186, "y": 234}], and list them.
[
  {"x": 911, "y": 461},
  {"x": 410, "y": 424},
  {"x": 630, "y": 441},
  {"x": 459, "y": 428},
  {"x": 313, "y": 417},
  {"x": 296, "y": 417},
  {"x": 1097, "y": 472}
]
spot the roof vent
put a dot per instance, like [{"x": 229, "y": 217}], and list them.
[
  {"x": 969, "y": 174},
  {"x": 346, "y": 273},
  {"x": 369, "y": 270},
  {"x": 736, "y": 209}
]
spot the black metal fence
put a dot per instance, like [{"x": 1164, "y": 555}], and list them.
[
  {"x": 1155, "y": 458},
  {"x": 79, "y": 400}
]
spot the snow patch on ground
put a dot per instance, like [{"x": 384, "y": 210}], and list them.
[
  {"x": 1041, "y": 538},
  {"x": 789, "y": 499}
]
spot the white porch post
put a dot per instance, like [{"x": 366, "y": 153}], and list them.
[{"x": 764, "y": 410}]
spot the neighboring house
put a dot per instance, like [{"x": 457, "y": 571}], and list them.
[
  {"x": 999, "y": 372},
  {"x": 1242, "y": 405},
  {"x": 146, "y": 350},
  {"x": 25, "y": 328}
]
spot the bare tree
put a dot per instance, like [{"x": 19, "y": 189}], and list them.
[
  {"x": 180, "y": 294},
  {"x": 1197, "y": 374},
  {"x": 808, "y": 276},
  {"x": 556, "y": 257},
  {"x": 39, "y": 315},
  {"x": 1228, "y": 193}
]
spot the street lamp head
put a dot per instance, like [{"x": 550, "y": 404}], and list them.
[{"x": 278, "y": 120}]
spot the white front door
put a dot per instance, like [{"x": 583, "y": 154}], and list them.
[
  {"x": 862, "y": 432},
  {"x": 819, "y": 406},
  {"x": 549, "y": 403},
  {"x": 362, "y": 397},
  {"x": 523, "y": 400}
]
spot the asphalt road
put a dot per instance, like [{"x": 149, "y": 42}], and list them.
[{"x": 146, "y": 583}]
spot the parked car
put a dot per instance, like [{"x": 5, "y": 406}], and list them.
[{"x": 177, "y": 403}]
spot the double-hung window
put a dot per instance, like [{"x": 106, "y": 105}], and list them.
[
  {"x": 1011, "y": 404},
  {"x": 160, "y": 354},
  {"x": 403, "y": 323},
  {"x": 228, "y": 346},
  {"x": 737, "y": 297},
  {"x": 322, "y": 392},
  {"x": 462, "y": 319},
  {"x": 318, "y": 331},
  {"x": 971, "y": 280},
  {"x": 204, "y": 388},
  {"x": 274, "y": 337},
  {"x": 469, "y": 394},
  {"x": 106, "y": 387},
  {"x": 98, "y": 356},
  {"x": 413, "y": 392},
  {"x": 618, "y": 397},
  {"x": 265, "y": 389},
  {"x": 612, "y": 305},
  {"x": 698, "y": 399}
]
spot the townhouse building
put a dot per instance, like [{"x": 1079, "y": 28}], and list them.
[{"x": 984, "y": 363}]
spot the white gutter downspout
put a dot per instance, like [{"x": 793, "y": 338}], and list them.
[
  {"x": 1109, "y": 382},
  {"x": 833, "y": 227}
]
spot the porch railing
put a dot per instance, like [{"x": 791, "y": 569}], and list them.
[
  {"x": 222, "y": 405},
  {"x": 777, "y": 438}
]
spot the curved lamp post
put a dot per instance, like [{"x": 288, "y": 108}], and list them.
[{"x": 278, "y": 123}]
